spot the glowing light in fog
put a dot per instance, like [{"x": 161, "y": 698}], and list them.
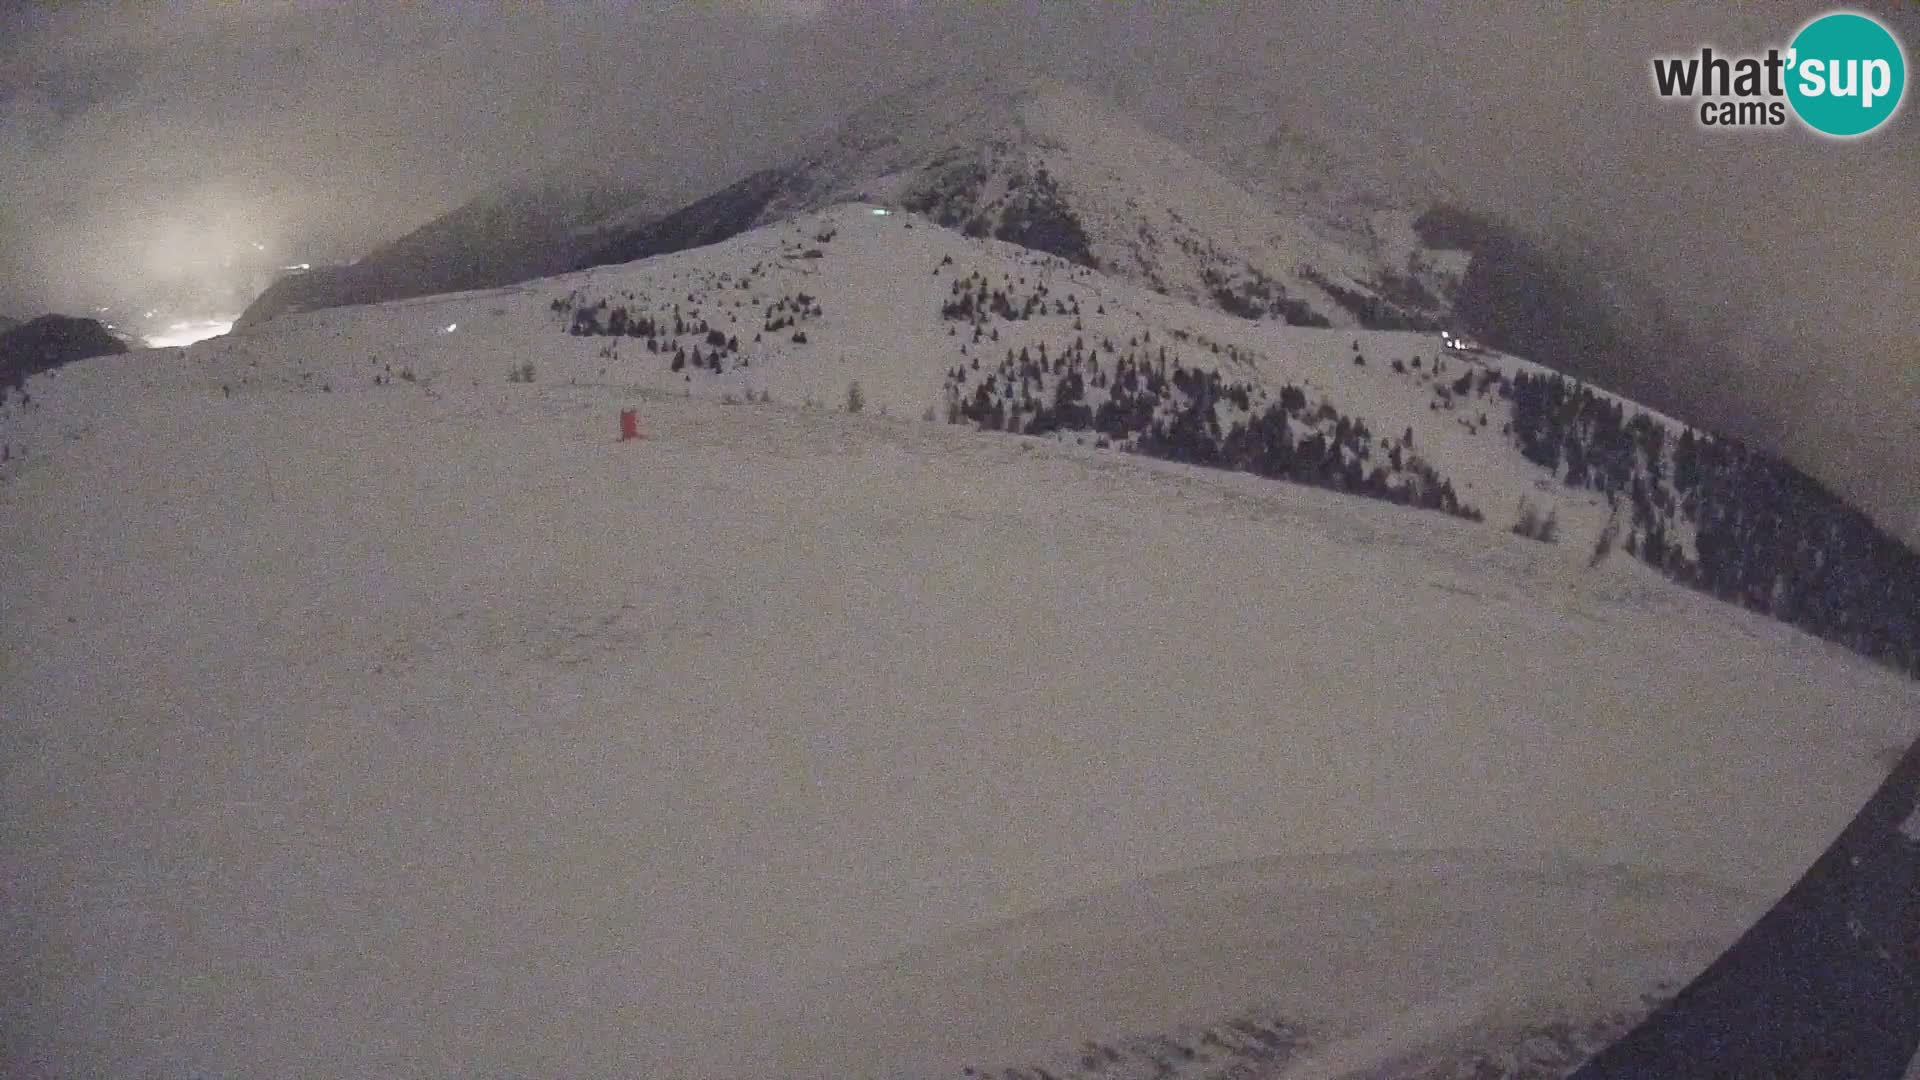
[{"x": 182, "y": 334}]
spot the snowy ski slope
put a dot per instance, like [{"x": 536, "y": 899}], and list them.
[{"x": 417, "y": 727}]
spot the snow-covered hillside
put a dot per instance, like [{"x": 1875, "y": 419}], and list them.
[
  {"x": 368, "y": 708},
  {"x": 928, "y": 320},
  {"x": 1055, "y": 168}
]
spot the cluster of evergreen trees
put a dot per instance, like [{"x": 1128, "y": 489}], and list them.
[
  {"x": 1458, "y": 393},
  {"x": 1156, "y": 406},
  {"x": 709, "y": 349},
  {"x": 1257, "y": 296},
  {"x": 659, "y": 334},
  {"x": 1036, "y": 216},
  {"x": 790, "y": 311},
  {"x": 1378, "y": 312},
  {"x": 949, "y": 192},
  {"x": 1033, "y": 213},
  {"x": 974, "y": 301},
  {"x": 1772, "y": 538},
  {"x": 1766, "y": 535}
]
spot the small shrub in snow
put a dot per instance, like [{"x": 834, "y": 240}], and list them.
[
  {"x": 1528, "y": 519},
  {"x": 1532, "y": 525},
  {"x": 1603, "y": 546},
  {"x": 856, "y": 399}
]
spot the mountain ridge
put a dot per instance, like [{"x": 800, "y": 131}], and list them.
[
  {"x": 525, "y": 231},
  {"x": 1281, "y": 227},
  {"x": 1052, "y": 166}
]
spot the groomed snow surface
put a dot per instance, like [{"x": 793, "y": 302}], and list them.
[{"x": 423, "y": 729}]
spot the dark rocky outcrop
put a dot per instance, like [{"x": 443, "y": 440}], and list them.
[
  {"x": 49, "y": 342},
  {"x": 725, "y": 214}
]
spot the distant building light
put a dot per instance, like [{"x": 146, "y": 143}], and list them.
[
  {"x": 452, "y": 326},
  {"x": 881, "y": 211}
]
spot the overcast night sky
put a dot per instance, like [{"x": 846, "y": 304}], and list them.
[{"x": 144, "y": 149}]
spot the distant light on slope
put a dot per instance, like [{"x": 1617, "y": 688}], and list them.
[
  {"x": 452, "y": 326},
  {"x": 181, "y": 334},
  {"x": 881, "y": 211}
]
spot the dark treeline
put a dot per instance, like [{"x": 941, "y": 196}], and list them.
[
  {"x": 1148, "y": 403},
  {"x": 1412, "y": 312},
  {"x": 1257, "y": 296},
  {"x": 1031, "y": 212},
  {"x": 1768, "y": 536}
]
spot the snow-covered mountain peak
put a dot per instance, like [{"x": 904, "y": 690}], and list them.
[{"x": 1054, "y": 167}]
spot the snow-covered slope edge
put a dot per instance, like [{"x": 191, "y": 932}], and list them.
[{"x": 1289, "y": 968}]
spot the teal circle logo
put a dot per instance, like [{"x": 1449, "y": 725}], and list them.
[{"x": 1846, "y": 74}]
